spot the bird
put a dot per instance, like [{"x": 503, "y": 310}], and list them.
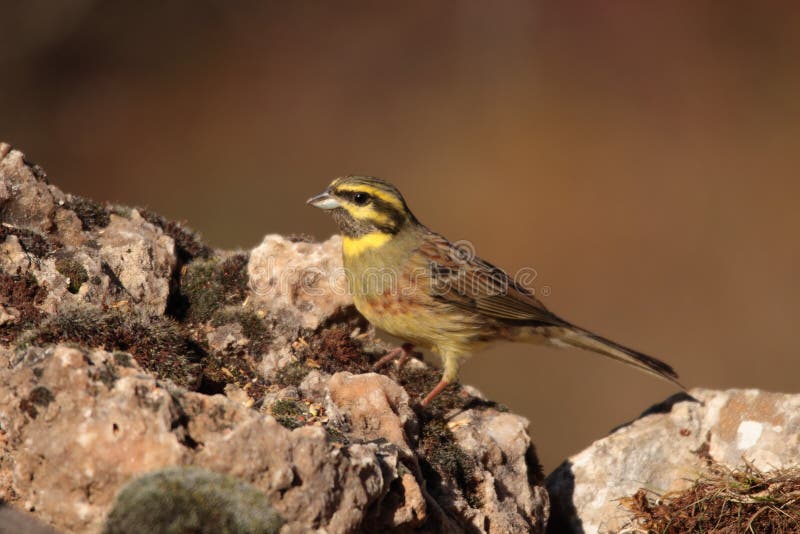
[{"x": 414, "y": 284}]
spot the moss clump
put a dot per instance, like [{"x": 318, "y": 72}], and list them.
[
  {"x": 123, "y": 359},
  {"x": 209, "y": 285},
  {"x": 254, "y": 328},
  {"x": 188, "y": 245},
  {"x": 443, "y": 460},
  {"x": 157, "y": 343},
  {"x": 332, "y": 349},
  {"x": 74, "y": 271},
  {"x": 291, "y": 374},
  {"x": 91, "y": 214},
  {"x": 724, "y": 500},
  {"x": 23, "y": 293},
  {"x": 31, "y": 242},
  {"x": 189, "y": 499},
  {"x": 289, "y": 413}
]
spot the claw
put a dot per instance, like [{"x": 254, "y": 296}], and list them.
[{"x": 402, "y": 353}]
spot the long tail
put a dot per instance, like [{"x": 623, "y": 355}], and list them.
[{"x": 577, "y": 337}]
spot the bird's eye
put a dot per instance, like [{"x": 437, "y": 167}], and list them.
[{"x": 361, "y": 199}]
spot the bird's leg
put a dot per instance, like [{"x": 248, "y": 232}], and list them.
[
  {"x": 403, "y": 352},
  {"x": 435, "y": 391},
  {"x": 450, "y": 374}
]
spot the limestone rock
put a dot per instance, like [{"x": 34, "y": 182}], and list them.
[
  {"x": 298, "y": 277},
  {"x": 668, "y": 447}
]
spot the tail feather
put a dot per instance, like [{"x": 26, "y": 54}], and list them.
[{"x": 586, "y": 340}]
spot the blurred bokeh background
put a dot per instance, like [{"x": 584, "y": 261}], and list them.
[{"x": 641, "y": 156}]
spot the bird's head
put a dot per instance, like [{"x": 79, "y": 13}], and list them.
[{"x": 363, "y": 205}]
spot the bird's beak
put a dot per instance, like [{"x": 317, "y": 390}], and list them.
[{"x": 324, "y": 201}]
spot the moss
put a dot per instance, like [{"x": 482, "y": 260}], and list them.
[
  {"x": 254, "y": 328},
  {"x": 209, "y": 285},
  {"x": 157, "y": 343},
  {"x": 240, "y": 370},
  {"x": 724, "y": 500},
  {"x": 23, "y": 293},
  {"x": 188, "y": 245},
  {"x": 419, "y": 382},
  {"x": 291, "y": 374},
  {"x": 189, "y": 499},
  {"x": 444, "y": 460},
  {"x": 121, "y": 211},
  {"x": 332, "y": 349},
  {"x": 288, "y": 413},
  {"x": 123, "y": 359},
  {"x": 31, "y": 242},
  {"x": 74, "y": 271},
  {"x": 105, "y": 373},
  {"x": 92, "y": 214}
]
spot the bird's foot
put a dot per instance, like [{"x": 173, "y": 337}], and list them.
[
  {"x": 401, "y": 354},
  {"x": 435, "y": 391}
]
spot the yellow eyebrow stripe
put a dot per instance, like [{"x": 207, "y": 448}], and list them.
[
  {"x": 353, "y": 246},
  {"x": 375, "y": 192}
]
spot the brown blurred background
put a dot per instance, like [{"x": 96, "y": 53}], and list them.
[{"x": 642, "y": 157}]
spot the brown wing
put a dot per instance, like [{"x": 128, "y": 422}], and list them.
[{"x": 468, "y": 282}]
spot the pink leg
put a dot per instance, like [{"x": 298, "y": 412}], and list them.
[
  {"x": 435, "y": 391},
  {"x": 402, "y": 352}
]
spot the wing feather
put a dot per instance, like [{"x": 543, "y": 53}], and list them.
[{"x": 472, "y": 284}]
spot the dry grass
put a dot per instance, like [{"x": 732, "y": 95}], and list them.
[{"x": 724, "y": 501}]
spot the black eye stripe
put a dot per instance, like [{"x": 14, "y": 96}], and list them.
[{"x": 361, "y": 199}]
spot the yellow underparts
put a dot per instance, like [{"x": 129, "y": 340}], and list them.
[{"x": 353, "y": 246}]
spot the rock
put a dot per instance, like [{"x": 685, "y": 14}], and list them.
[
  {"x": 13, "y": 521},
  {"x": 373, "y": 407},
  {"x": 128, "y": 348},
  {"x": 667, "y": 448},
  {"x": 509, "y": 478},
  {"x": 298, "y": 277},
  {"x": 142, "y": 259},
  {"x": 188, "y": 499},
  {"x": 78, "y": 430}
]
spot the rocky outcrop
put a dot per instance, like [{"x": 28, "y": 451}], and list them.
[
  {"x": 127, "y": 346},
  {"x": 669, "y": 447}
]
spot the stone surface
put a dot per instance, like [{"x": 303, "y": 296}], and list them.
[
  {"x": 127, "y": 347},
  {"x": 667, "y": 448},
  {"x": 298, "y": 277}
]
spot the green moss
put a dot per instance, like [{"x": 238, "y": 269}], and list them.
[
  {"x": 123, "y": 359},
  {"x": 211, "y": 284},
  {"x": 254, "y": 328},
  {"x": 443, "y": 459},
  {"x": 189, "y": 499},
  {"x": 91, "y": 214},
  {"x": 291, "y": 374},
  {"x": 288, "y": 413},
  {"x": 157, "y": 343},
  {"x": 121, "y": 211},
  {"x": 73, "y": 271}
]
